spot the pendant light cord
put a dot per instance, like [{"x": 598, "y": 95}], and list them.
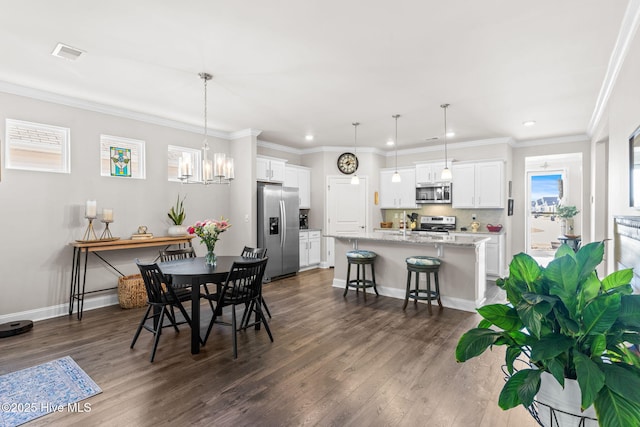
[
  {"x": 396, "y": 117},
  {"x": 444, "y": 106}
]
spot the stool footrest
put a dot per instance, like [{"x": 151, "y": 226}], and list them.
[
  {"x": 361, "y": 284},
  {"x": 423, "y": 294}
]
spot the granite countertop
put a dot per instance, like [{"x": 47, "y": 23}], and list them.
[
  {"x": 414, "y": 237},
  {"x": 311, "y": 229},
  {"x": 458, "y": 231}
]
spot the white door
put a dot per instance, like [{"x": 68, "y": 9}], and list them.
[{"x": 347, "y": 209}]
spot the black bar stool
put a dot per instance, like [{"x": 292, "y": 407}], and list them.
[
  {"x": 361, "y": 258},
  {"x": 428, "y": 265}
]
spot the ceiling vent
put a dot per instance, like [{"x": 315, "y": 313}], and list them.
[{"x": 66, "y": 52}]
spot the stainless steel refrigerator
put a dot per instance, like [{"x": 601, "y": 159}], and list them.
[{"x": 278, "y": 229}]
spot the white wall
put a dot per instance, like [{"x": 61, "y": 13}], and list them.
[{"x": 43, "y": 212}]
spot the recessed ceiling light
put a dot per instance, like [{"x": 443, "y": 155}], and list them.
[
  {"x": 66, "y": 52},
  {"x": 451, "y": 134},
  {"x": 390, "y": 143},
  {"x": 529, "y": 123},
  {"x": 309, "y": 137}
]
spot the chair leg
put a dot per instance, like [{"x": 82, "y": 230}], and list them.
[
  {"x": 415, "y": 300},
  {"x": 158, "y": 332},
  {"x": 357, "y": 278},
  {"x": 213, "y": 320},
  {"x": 373, "y": 276},
  {"x": 172, "y": 317},
  {"x": 266, "y": 324},
  {"x": 206, "y": 292},
  {"x": 438, "y": 289},
  {"x": 346, "y": 286},
  {"x": 142, "y": 322},
  {"x": 235, "y": 332},
  {"x": 406, "y": 295},
  {"x": 264, "y": 304},
  {"x": 429, "y": 292}
]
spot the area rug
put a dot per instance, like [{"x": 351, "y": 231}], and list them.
[{"x": 55, "y": 386}]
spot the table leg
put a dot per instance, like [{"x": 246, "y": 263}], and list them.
[
  {"x": 195, "y": 316},
  {"x": 75, "y": 277}
]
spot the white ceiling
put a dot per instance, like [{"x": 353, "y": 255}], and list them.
[{"x": 292, "y": 67}]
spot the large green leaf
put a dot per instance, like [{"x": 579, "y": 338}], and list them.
[
  {"x": 563, "y": 250},
  {"x": 543, "y": 303},
  {"x": 474, "y": 343},
  {"x": 556, "y": 368},
  {"x": 523, "y": 267},
  {"x": 531, "y": 318},
  {"x": 624, "y": 380},
  {"x": 615, "y": 410},
  {"x": 589, "y": 289},
  {"x": 590, "y": 378},
  {"x": 630, "y": 310},
  {"x": 598, "y": 344},
  {"x": 549, "y": 347},
  {"x": 600, "y": 314},
  {"x": 502, "y": 316},
  {"x": 568, "y": 326},
  {"x": 521, "y": 388},
  {"x": 562, "y": 276},
  {"x": 511, "y": 355},
  {"x": 617, "y": 278},
  {"x": 589, "y": 256}
]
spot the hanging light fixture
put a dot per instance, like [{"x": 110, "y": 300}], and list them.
[
  {"x": 396, "y": 176},
  {"x": 446, "y": 172},
  {"x": 355, "y": 180},
  {"x": 221, "y": 169}
]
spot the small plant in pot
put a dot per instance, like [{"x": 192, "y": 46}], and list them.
[
  {"x": 571, "y": 327},
  {"x": 566, "y": 213},
  {"x": 177, "y": 216}
]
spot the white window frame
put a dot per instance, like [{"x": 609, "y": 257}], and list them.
[
  {"x": 64, "y": 166},
  {"x": 176, "y": 151},
  {"x": 137, "y": 148}
]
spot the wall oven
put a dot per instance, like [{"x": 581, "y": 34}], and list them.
[{"x": 433, "y": 193}]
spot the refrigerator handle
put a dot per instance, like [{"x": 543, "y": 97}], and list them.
[{"x": 283, "y": 222}]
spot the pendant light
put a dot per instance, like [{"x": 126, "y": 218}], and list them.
[
  {"x": 446, "y": 172},
  {"x": 221, "y": 169},
  {"x": 396, "y": 176},
  {"x": 355, "y": 180}
]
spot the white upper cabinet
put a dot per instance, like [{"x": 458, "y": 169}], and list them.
[
  {"x": 428, "y": 173},
  {"x": 398, "y": 195},
  {"x": 478, "y": 185},
  {"x": 299, "y": 177},
  {"x": 269, "y": 169}
]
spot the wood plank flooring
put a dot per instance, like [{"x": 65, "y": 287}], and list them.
[{"x": 335, "y": 362}]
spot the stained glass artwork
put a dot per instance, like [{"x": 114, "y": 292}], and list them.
[{"x": 120, "y": 161}]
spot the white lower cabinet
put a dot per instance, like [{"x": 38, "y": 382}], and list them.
[
  {"x": 309, "y": 248},
  {"x": 494, "y": 253}
]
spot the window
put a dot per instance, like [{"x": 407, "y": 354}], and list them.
[
  {"x": 37, "y": 147},
  {"x": 181, "y": 156},
  {"x": 121, "y": 157}
]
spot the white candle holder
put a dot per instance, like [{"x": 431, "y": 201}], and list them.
[
  {"x": 106, "y": 234},
  {"x": 90, "y": 233}
]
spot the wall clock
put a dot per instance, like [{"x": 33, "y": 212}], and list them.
[{"x": 347, "y": 163}]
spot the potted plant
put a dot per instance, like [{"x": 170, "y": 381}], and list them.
[
  {"x": 566, "y": 213},
  {"x": 571, "y": 327},
  {"x": 177, "y": 216}
]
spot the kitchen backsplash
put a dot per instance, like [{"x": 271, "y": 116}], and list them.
[{"x": 463, "y": 216}]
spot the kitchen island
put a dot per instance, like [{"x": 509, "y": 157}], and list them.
[{"x": 462, "y": 273}]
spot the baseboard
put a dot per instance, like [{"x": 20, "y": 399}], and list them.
[
  {"x": 456, "y": 303},
  {"x": 90, "y": 303}
]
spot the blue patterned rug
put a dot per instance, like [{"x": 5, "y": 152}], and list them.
[{"x": 53, "y": 386}]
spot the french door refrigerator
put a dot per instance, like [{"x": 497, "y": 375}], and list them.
[{"x": 278, "y": 229}]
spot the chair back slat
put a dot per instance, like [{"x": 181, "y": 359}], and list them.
[
  {"x": 249, "y": 252},
  {"x": 244, "y": 281},
  {"x": 174, "y": 254},
  {"x": 157, "y": 291}
]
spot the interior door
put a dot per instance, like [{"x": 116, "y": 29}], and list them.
[{"x": 347, "y": 209}]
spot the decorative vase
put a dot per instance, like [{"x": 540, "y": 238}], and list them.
[
  {"x": 177, "y": 230},
  {"x": 210, "y": 258},
  {"x": 552, "y": 395}
]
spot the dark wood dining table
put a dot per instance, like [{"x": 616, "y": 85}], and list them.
[{"x": 195, "y": 273}]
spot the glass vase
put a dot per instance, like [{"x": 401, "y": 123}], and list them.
[{"x": 210, "y": 258}]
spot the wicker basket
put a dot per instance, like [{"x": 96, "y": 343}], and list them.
[{"x": 131, "y": 291}]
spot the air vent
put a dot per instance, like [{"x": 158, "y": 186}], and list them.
[{"x": 66, "y": 52}]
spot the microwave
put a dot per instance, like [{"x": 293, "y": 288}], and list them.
[{"x": 433, "y": 193}]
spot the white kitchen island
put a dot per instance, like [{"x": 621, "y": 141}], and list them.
[{"x": 462, "y": 274}]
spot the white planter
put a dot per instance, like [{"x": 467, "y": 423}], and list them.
[
  {"x": 551, "y": 394},
  {"x": 177, "y": 230}
]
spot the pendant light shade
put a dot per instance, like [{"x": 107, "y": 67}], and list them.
[
  {"x": 396, "y": 176},
  {"x": 354, "y": 179},
  {"x": 446, "y": 172}
]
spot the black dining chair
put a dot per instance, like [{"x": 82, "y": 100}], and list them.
[
  {"x": 242, "y": 287},
  {"x": 161, "y": 299},
  {"x": 183, "y": 253},
  {"x": 249, "y": 252}
]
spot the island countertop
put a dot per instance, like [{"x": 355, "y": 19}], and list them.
[{"x": 413, "y": 238}]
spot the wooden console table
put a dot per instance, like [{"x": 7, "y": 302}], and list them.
[{"x": 79, "y": 272}]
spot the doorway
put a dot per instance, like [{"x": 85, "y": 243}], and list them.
[{"x": 347, "y": 210}]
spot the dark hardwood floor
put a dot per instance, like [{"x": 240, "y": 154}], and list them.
[{"x": 335, "y": 362}]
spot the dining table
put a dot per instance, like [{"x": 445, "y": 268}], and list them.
[{"x": 195, "y": 272}]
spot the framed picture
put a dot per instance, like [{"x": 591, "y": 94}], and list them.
[{"x": 122, "y": 157}]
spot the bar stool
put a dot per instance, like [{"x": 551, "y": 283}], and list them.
[
  {"x": 361, "y": 258},
  {"x": 422, "y": 264}
]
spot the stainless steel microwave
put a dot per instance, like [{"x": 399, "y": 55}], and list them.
[{"x": 433, "y": 193}]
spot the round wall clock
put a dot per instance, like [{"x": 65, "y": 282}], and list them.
[{"x": 347, "y": 163}]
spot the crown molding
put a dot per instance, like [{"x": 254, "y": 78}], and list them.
[
  {"x": 244, "y": 133},
  {"x": 555, "y": 140},
  {"x": 628, "y": 28},
  {"x": 278, "y": 147},
  {"x": 82, "y": 104}
]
